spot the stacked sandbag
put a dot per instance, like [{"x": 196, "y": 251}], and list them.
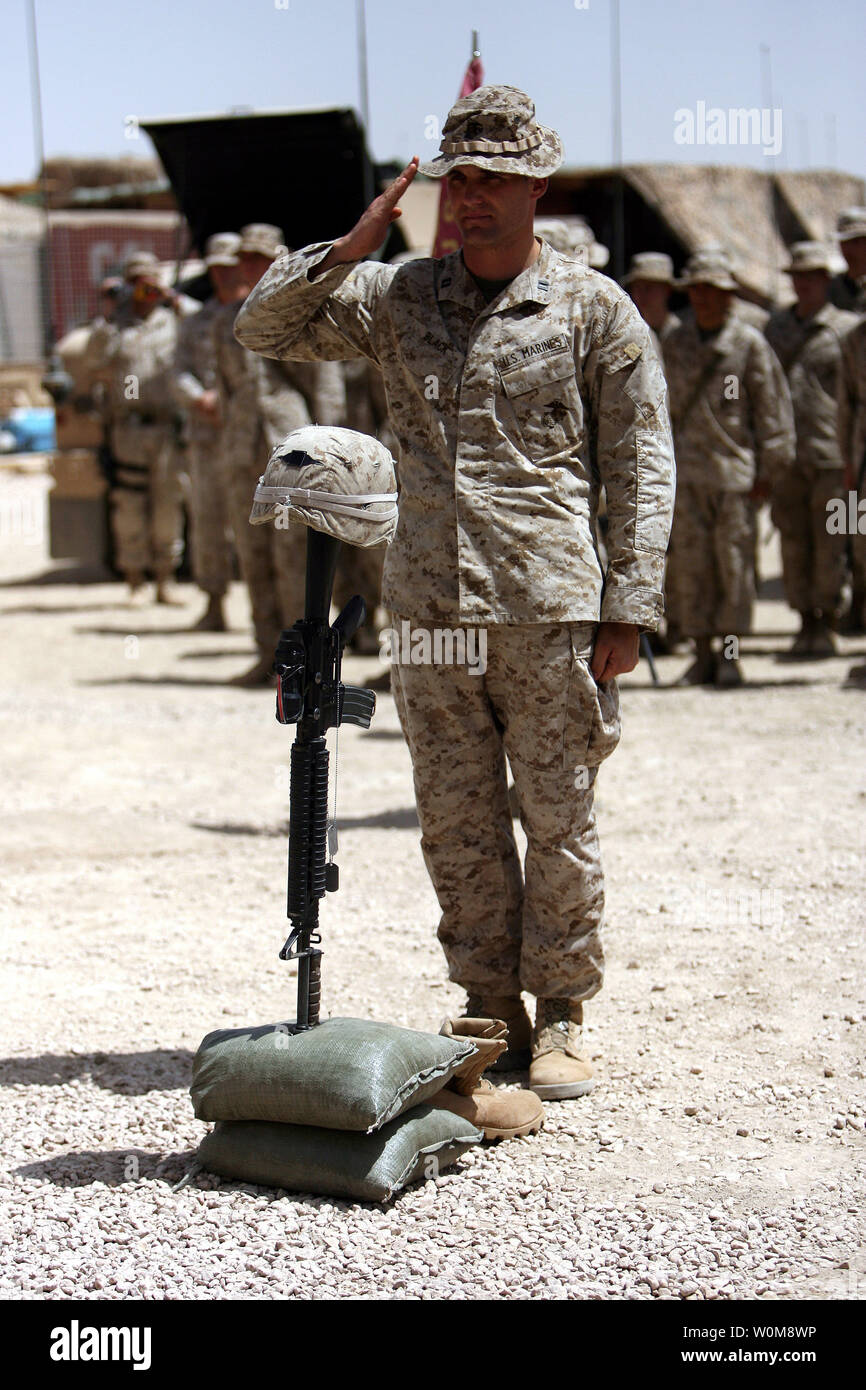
[{"x": 339, "y": 1109}]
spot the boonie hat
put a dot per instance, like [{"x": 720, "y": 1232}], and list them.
[
  {"x": 650, "y": 265},
  {"x": 573, "y": 236},
  {"x": 262, "y": 239},
  {"x": 495, "y": 128},
  {"x": 808, "y": 255},
  {"x": 851, "y": 223},
  {"x": 709, "y": 267},
  {"x": 222, "y": 249},
  {"x": 142, "y": 263},
  {"x": 333, "y": 479}
]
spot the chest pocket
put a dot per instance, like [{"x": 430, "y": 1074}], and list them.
[{"x": 546, "y": 404}]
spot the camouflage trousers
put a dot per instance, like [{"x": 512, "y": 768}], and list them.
[
  {"x": 272, "y": 561},
  {"x": 537, "y": 702},
  {"x": 813, "y": 561},
  {"x": 147, "y": 515},
  {"x": 714, "y": 575},
  {"x": 210, "y": 543},
  {"x": 359, "y": 571}
]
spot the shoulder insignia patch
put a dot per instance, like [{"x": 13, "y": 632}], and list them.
[{"x": 633, "y": 351}]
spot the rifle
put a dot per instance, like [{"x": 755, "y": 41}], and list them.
[{"x": 311, "y": 695}]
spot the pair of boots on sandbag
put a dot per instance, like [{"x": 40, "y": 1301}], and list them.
[{"x": 351, "y": 1108}]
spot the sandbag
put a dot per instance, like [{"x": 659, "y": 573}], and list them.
[
  {"x": 346, "y": 1073},
  {"x": 371, "y": 1167}
]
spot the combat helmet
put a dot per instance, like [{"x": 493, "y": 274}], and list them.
[{"x": 333, "y": 479}]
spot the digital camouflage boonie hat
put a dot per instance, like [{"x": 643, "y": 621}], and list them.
[
  {"x": 711, "y": 266},
  {"x": 332, "y": 479},
  {"x": 495, "y": 128},
  {"x": 851, "y": 224},
  {"x": 222, "y": 249},
  {"x": 808, "y": 255},
  {"x": 656, "y": 266}
]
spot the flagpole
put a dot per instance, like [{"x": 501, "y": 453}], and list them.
[
  {"x": 616, "y": 118},
  {"x": 361, "y": 10}
]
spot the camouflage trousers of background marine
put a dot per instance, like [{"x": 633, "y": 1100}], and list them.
[
  {"x": 209, "y": 514},
  {"x": 272, "y": 560},
  {"x": 813, "y": 561},
  {"x": 537, "y": 702},
  {"x": 714, "y": 575},
  {"x": 359, "y": 571},
  {"x": 147, "y": 514}
]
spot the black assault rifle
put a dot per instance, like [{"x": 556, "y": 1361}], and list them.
[{"x": 311, "y": 694}]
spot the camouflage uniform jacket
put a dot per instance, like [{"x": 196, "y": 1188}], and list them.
[
  {"x": 509, "y": 416},
  {"x": 810, "y": 353},
  {"x": 275, "y": 397},
  {"x": 741, "y": 424},
  {"x": 194, "y": 369},
  {"x": 851, "y": 422},
  {"x": 137, "y": 359}
]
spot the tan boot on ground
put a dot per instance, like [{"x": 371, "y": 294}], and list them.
[
  {"x": 513, "y": 1013},
  {"x": 167, "y": 594},
  {"x": 260, "y": 674},
  {"x": 213, "y": 618},
  {"x": 499, "y": 1113},
  {"x": 137, "y": 596},
  {"x": 559, "y": 1071}
]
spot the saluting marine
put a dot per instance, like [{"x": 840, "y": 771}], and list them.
[{"x": 518, "y": 381}]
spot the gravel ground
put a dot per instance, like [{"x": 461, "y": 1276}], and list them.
[{"x": 143, "y": 870}]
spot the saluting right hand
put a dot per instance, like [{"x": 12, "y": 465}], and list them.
[{"x": 371, "y": 228}]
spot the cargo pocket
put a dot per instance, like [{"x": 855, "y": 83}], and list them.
[
  {"x": 546, "y": 403},
  {"x": 593, "y": 725}
]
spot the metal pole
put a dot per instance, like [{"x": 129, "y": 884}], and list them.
[
  {"x": 767, "y": 89},
  {"x": 476, "y": 51},
  {"x": 616, "y": 121},
  {"x": 39, "y": 149},
  {"x": 362, "y": 66}
]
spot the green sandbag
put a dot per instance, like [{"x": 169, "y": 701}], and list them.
[
  {"x": 371, "y": 1167},
  {"x": 346, "y": 1073}
]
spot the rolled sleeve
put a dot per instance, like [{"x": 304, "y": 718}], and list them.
[{"x": 330, "y": 318}]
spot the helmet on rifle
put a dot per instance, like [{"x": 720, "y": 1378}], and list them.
[{"x": 332, "y": 479}]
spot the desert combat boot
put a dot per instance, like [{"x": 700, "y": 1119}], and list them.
[
  {"x": 558, "y": 1070},
  {"x": 499, "y": 1113},
  {"x": 513, "y": 1013}
]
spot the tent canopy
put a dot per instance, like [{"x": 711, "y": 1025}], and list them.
[{"x": 307, "y": 172}]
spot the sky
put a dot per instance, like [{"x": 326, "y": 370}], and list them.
[{"x": 102, "y": 62}]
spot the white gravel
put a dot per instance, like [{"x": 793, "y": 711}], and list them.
[{"x": 143, "y": 865}]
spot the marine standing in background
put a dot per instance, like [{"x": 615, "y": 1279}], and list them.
[
  {"x": 136, "y": 353},
  {"x": 807, "y": 339},
  {"x": 852, "y": 442},
  {"x": 650, "y": 280},
  {"x": 519, "y": 381},
  {"x": 194, "y": 384},
  {"x": 848, "y": 290},
  {"x": 262, "y": 401},
  {"x": 733, "y": 432}
]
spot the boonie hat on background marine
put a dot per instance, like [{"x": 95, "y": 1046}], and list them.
[
  {"x": 332, "y": 479},
  {"x": 495, "y": 128},
  {"x": 650, "y": 265},
  {"x": 222, "y": 249},
  {"x": 808, "y": 255},
  {"x": 709, "y": 267},
  {"x": 573, "y": 236},
  {"x": 851, "y": 223},
  {"x": 142, "y": 263},
  {"x": 262, "y": 239}
]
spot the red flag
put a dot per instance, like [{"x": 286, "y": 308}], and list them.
[{"x": 448, "y": 236}]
